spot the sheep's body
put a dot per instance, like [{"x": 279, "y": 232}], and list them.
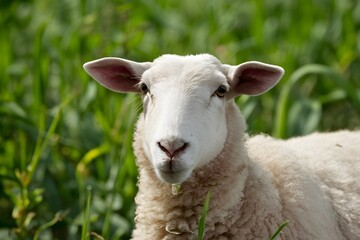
[
  {"x": 274, "y": 181},
  {"x": 317, "y": 178},
  {"x": 191, "y": 132}
]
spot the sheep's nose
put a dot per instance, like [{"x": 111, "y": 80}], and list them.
[{"x": 172, "y": 147}]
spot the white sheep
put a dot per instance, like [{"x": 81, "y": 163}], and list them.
[{"x": 191, "y": 134}]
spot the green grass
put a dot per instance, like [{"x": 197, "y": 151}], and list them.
[
  {"x": 278, "y": 231},
  {"x": 201, "y": 227},
  {"x": 86, "y": 221},
  {"x": 60, "y": 132}
]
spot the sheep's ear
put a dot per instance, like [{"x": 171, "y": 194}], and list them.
[
  {"x": 253, "y": 78},
  {"x": 119, "y": 75}
]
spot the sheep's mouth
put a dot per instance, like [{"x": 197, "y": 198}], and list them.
[
  {"x": 173, "y": 175},
  {"x": 169, "y": 166},
  {"x": 172, "y": 166}
]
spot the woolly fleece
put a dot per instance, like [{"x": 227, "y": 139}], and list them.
[{"x": 257, "y": 183}]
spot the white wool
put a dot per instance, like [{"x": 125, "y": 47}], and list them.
[{"x": 191, "y": 134}]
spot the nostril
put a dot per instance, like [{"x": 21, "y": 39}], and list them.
[
  {"x": 172, "y": 148},
  {"x": 180, "y": 149},
  {"x": 164, "y": 149}
]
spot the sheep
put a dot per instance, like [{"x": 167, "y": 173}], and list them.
[{"x": 191, "y": 139}]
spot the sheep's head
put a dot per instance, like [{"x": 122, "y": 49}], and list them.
[{"x": 184, "y": 104}]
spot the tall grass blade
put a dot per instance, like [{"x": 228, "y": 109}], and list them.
[
  {"x": 40, "y": 147},
  {"x": 41, "y": 144},
  {"x": 86, "y": 222},
  {"x": 205, "y": 209},
  {"x": 279, "y": 230}
]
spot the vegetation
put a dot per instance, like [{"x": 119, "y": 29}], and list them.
[{"x": 60, "y": 132}]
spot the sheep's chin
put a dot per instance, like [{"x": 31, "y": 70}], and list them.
[{"x": 174, "y": 177}]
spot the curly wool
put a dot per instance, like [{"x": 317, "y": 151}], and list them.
[{"x": 257, "y": 184}]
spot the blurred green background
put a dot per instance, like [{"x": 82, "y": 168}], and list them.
[{"x": 61, "y": 133}]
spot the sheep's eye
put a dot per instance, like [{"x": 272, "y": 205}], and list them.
[
  {"x": 221, "y": 91},
  {"x": 144, "y": 89}
]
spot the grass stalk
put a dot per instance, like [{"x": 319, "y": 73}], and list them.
[
  {"x": 58, "y": 216},
  {"x": 86, "y": 221},
  {"x": 41, "y": 144},
  {"x": 205, "y": 209},
  {"x": 281, "y": 227}
]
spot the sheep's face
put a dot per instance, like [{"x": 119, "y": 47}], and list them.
[
  {"x": 184, "y": 115},
  {"x": 184, "y": 104}
]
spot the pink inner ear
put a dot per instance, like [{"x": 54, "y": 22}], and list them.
[
  {"x": 255, "y": 79},
  {"x": 117, "y": 78},
  {"x": 117, "y": 74}
]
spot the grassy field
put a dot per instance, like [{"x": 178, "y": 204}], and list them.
[{"x": 66, "y": 162}]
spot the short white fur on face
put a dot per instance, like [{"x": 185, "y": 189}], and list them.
[
  {"x": 182, "y": 107},
  {"x": 185, "y": 98}
]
